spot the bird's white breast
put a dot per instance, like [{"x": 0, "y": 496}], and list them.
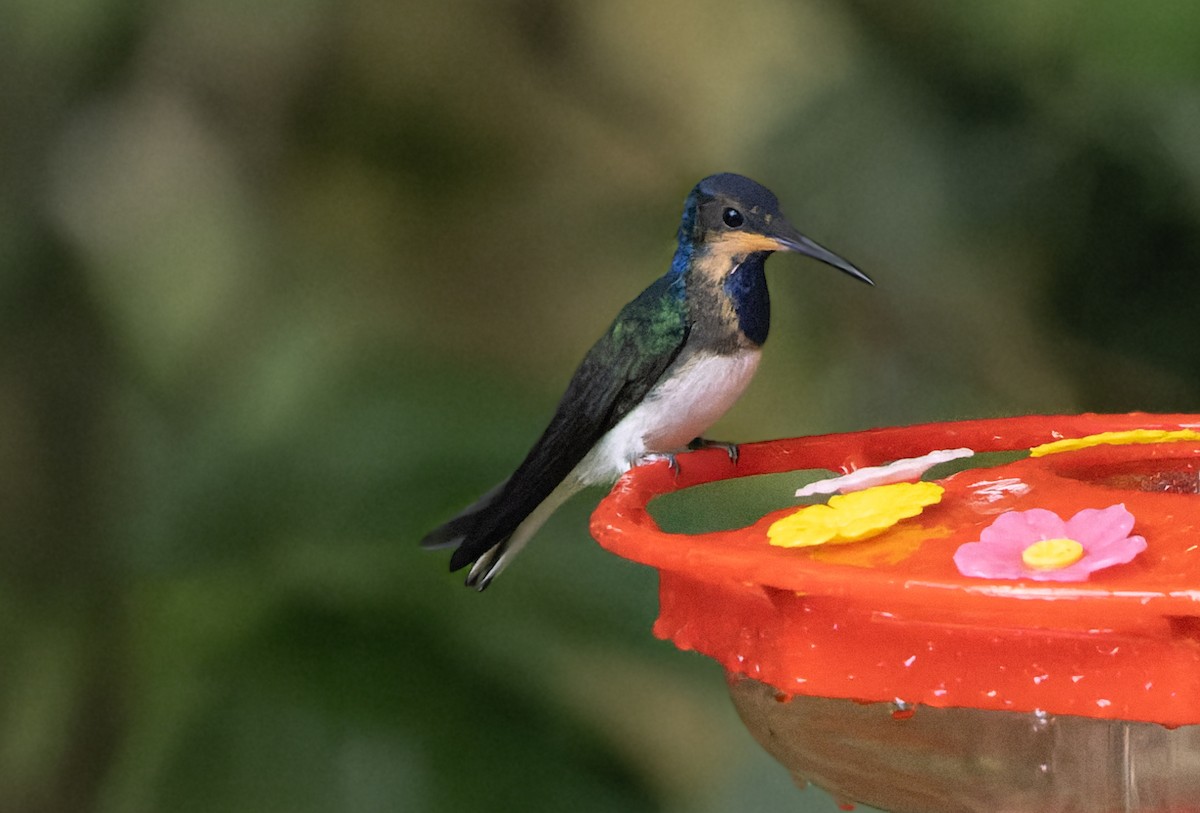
[{"x": 683, "y": 405}]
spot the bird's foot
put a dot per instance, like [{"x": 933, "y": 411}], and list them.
[
  {"x": 730, "y": 449},
  {"x": 655, "y": 457}
]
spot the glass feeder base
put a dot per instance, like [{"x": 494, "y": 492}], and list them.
[{"x": 950, "y": 760}]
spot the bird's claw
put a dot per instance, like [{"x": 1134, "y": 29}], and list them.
[
  {"x": 658, "y": 456},
  {"x": 730, "y": 449}
]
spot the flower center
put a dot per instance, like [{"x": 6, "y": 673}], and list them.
[{"x": 1052, "y": 554}]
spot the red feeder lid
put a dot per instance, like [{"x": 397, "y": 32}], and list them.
[{"x": 893, "y": 618}]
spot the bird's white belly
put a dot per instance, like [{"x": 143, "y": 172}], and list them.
[{"x": 679, "y": 408}]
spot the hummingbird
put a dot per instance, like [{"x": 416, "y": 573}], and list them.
[{"x": 672, "y": 362}]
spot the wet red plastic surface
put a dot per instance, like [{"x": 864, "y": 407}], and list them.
[{"x": 1125, "y": 644}]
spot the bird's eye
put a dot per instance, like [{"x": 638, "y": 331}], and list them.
[{"x": 733, "y": 218}]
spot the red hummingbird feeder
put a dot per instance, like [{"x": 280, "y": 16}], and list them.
[{"x": 1020, "y": 634}]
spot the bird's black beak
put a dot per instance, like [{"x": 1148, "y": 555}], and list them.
[{"x": 789, "y": 239}]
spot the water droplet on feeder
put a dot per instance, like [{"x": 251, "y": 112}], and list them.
[{"x": 902, "y": 710}]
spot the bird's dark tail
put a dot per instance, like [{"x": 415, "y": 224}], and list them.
[
  {"x": 474, "y": 538},
  {"x": 487, "y": 537},
  {"x": 454, "y": 532}
]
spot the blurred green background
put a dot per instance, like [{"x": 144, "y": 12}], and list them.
[{"x": 286, "y": 283}]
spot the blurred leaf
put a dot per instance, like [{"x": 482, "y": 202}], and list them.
[{"x": 287, "y": 284}]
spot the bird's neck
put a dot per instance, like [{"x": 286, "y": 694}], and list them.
[
  {"x": 729, "y": 306},
  {"x": 681, "y": 263},
  {"x": 746, "y": 287}
]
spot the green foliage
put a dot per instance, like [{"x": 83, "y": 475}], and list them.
[{"x": 283, "y": 285}]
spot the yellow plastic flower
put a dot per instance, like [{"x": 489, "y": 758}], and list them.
[
  {"x": 1114, "y": 439},
  {"x": 854, "y": 516}
]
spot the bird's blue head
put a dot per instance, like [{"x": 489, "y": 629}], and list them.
[{"x": 732, "y": 214}]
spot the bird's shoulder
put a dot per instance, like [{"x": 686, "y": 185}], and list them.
[
  {"x": 655, "y": 321},
  {"x": 643, "y": 339}
]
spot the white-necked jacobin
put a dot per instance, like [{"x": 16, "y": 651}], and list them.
[{"x": 673, "y": 361}]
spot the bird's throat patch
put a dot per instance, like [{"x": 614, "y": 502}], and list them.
[{"x": 746, "y": 287}]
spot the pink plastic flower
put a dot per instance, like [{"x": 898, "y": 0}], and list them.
[{"x": 1038, "y": 544}]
